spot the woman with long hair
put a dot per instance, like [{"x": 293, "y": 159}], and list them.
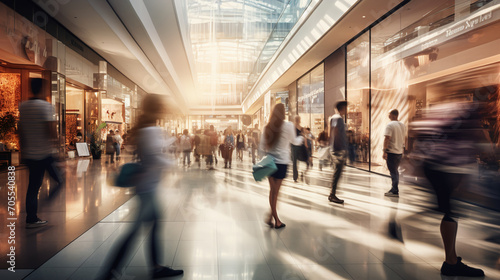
[
  {"x": 276, "y": 140},
  {"x": 151, "y": 142}
]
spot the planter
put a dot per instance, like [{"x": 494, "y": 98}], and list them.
[{"x": 96, "y": 154}]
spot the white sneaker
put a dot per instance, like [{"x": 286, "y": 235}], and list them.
[{"x": 39, "y": 223}]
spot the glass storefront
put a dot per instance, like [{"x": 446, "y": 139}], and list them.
[
  {"x": 58, "y": 98},
  {"x": 75, "y": 117},
  {"x": 311, "y": 99},
  {"x": 416, "y": 58},
  {"x": 358, "y": 98}
]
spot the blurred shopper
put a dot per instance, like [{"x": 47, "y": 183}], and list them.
[
  {"x": 276, "y": 140},
  {"x": 228, "y": 147},
  {"x": 296, "y": 149},
  {"x": 352, "y": 146},
  {"x": 394, "y": 142},
  {"x": 339, "y": 146},
  {"x": 240, "y": 144},
  {"x": 151, "y": 143},
  {"x": 196, "y": 145},
  {"x": 118, "y": 144},
  {"x": 110, "y": 146},
  {"x": 214, "y": 143},
  {"x": 38, "y": 137},
  {"x": 447, "y": 145},
  {"x": 324, "y": 150},
  {"x": 255, "y": 142},
  {"x": 310, "y": 145},
  {"x": 205, "y": 149},
  {"x": 186, "y": 144}
]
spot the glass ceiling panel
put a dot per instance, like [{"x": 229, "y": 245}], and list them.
[{"x": 232, "y": 39}]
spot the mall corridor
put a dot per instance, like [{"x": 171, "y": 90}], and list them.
[
  {"x": 399, "y": 100},
  {"x": 212, "y": 227}
]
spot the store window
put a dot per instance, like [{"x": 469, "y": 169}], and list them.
[
  {"x": 358, "y": 101},
  {"x": 58, "y": 98},
  {"x": 10, "y": 90},
  {"x": 75, "y": 116},
  {"x": 311, "y": 99},
  {"x": 424, "y": 56}
]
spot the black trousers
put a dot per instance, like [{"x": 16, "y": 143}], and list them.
[
  {"x": 295, "y": 158},
  {"x": 339, "y": 159},
  {"x": 393, "y": 161},
  {"x": 148, "y": 215},
  {"x": 37, "y": 171}
]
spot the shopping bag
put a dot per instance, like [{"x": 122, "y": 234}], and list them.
[
  {"x": 303, "y": 154},
  {"x": 324, "y": 153},
  {"x": 265, "y": 167},
  {"x": 128, "y": 175}
]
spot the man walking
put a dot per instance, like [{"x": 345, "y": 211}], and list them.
[
  {"x": 38, "y": 135},
  {"x": 393, "y": 149},
  {"x": 214, "y": 145},
  {"x": 339, "y": 145}
]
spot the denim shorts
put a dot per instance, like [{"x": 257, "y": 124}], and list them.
[{"x": 281, "y": 172}]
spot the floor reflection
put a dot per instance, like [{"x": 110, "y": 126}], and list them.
[{"x": 213, "y": 227}]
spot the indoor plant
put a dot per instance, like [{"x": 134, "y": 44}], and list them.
[{"x": 96, "y": 143}]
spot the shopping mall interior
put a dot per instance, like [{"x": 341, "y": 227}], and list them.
[{"x": 220, "y": 67}]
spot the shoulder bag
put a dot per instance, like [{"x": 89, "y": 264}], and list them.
[{"x": 265, "y": 167}]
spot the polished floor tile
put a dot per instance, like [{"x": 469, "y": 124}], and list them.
[{"x": 212, "y": 226}]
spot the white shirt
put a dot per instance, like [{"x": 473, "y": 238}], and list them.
[
  {"x": 396, "y": 130},
  {"x": 282, "y": 150},
  {"x": 33, "y": 119}
]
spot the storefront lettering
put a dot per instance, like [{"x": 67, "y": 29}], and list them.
[
  {"x": 485, "y": 17},
  {"x": 454, "y": 31},
  {"x": 469, "y": 24},
  {"x": 311, "y": 95},
  {"x": 429, "y": 44},
  {"x": 31, "y": 48}
]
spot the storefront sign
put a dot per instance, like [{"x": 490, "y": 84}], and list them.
[
  {"x": 313, "y": 94},
  {"x": 25, "y": 41},
  {"x": 441, "y": 35}
]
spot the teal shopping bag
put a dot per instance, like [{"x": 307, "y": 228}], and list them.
[
  {"x": 265, "y": 167},
  {"x": 129, "y": 174}
]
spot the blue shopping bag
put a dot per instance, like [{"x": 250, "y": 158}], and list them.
[{"x": 265, "y": 167}]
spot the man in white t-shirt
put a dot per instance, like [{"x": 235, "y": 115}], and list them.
[
  {"x": 38, "y": 135},
  {"x": 393, "y": 149}
]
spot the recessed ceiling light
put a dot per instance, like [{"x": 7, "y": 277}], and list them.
[{"x": 363, "y": 16}]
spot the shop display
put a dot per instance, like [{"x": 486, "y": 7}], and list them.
[{"x": 10, "y": 91}]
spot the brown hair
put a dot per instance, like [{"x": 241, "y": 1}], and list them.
[
  {"x": 394, "y": 112},
  {"x": 272, "y": 131},
  {"x": 154, "y": 106}
]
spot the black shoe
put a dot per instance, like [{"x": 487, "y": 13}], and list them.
[
  {"x": 460, "y": 269},
  {"x": 335, "y": 199},
  {"x": 166, "y": 272},
  {"x": 280, "y": 226},
  {"x": 392, "y": 194}
]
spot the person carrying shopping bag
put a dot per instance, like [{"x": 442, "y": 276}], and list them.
[{"x": 276, "y": 139}]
